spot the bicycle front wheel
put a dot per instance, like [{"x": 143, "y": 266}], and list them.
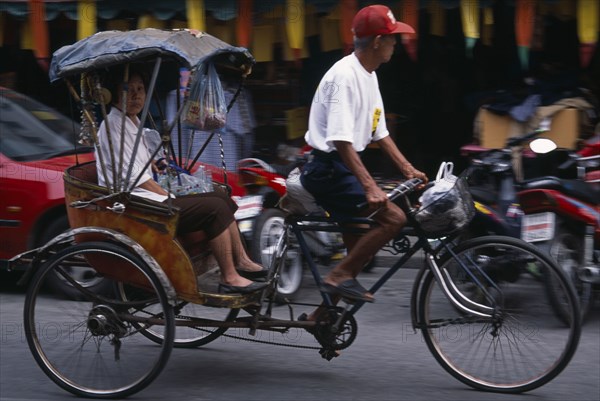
[
  {"x": 92, "y": 346},
  {"x": 524, "y": 344}
]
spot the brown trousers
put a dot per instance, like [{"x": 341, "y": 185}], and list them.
[{"x": 211, "y": 212}]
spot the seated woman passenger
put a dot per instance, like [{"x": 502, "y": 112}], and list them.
[{"x": 209, "y": 212}]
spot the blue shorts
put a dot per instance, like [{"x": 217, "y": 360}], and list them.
[{"x": 333, "y": 185}]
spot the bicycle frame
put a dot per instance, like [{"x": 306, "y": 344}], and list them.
[{"x": 298, "y": 224}]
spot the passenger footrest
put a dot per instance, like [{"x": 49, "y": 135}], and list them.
[{"x": 208, "y": 286}]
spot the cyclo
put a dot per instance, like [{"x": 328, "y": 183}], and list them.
[{"x": 489, "y": 333}]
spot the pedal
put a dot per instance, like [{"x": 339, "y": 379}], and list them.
[{"x": 329, "y": 353}]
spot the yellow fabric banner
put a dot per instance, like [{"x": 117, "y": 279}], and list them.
[
  {"x": 294, "y": 23},
  {"x": 26, "y": 36},
  {"x": 588, "y": 13},
  {"x": 195, "y": 13},
  {"x": 86, "y": 18},
  {"x": 469, "y": 13},
  {"x": 289, "y": 53}
]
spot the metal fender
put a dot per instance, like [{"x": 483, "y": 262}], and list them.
[
  {"x": 415, "y": 294},
  {"x": 64, "y": 239}
]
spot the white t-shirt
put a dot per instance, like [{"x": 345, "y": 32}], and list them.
[
  {"x": 114, "y": 122},
  {"x": 347, "y": 106}
]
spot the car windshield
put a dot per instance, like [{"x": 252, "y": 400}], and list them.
[{"x": 30, "y": 130}]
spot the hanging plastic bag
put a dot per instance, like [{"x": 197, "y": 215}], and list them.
[
  {"x": 205, "y": 107},
  {"x": 444, "y": 181}
]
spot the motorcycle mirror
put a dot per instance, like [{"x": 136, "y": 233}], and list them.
[{"x": 542, "y": 145}]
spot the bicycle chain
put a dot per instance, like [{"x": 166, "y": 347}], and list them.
[{"x": 252, "y": 340}]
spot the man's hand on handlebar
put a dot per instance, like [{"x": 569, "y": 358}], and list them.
[
  {"x": 401, "y": 188},
  {"x": 410, "y": 172},
  {"x": 376, "y": 198}
]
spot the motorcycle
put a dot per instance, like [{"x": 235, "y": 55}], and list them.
[
  {"x": 562, "y": 217},
  {"x": 511, "y": 198}
]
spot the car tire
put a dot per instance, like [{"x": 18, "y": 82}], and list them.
[{"x": 60, "y": 286}]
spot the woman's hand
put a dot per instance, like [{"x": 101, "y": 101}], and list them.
[
  {"x": 158, "y": 166},
  {"x": 153, "y": 186}
]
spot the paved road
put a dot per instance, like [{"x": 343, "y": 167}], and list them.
[{"x": 387, "y": 362}]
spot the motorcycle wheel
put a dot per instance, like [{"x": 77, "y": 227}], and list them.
[
  {"x": 567, "y": 249},
  {"x": 267, "y": 230}
]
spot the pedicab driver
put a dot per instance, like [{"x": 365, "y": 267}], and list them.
[{"x": 346, "y": 115}]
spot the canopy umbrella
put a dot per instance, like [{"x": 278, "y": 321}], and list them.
[
  {"x": 186, "y": 48},
  {"x": 106, "y": 49}
]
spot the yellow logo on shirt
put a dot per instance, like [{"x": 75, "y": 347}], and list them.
[{"x": 376, "y": 116}]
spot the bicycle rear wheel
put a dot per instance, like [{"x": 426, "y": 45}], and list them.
[
  {"x": 524, "y": 344},
  {"x": 91, "y": 347}
]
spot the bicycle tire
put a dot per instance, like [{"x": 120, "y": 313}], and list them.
[
  {"x": 526, "y": 344},
  {"x": 88, "y": 346}
]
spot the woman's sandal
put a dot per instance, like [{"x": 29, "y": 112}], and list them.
[
  {"x": 234, "y": 289},
  {"x": 253, "y": 275}
]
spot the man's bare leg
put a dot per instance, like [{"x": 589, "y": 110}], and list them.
[
  {"x": 390, "y": 224},
  {"x": 390, "y": 221}
]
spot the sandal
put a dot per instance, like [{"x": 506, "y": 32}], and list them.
[
  {"x": 233, "y": 289},
  {"x": 256, "y": 275}
]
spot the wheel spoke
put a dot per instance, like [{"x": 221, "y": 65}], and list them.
[
  {"x": 87, "y": 346},
  {"x": 524, "y": 344}
]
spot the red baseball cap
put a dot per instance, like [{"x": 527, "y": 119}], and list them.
[{"x": 377, "y": 20}]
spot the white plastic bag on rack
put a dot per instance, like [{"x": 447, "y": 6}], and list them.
[
  {"x": 297, "y": 200},
  {"x": 445, "y": 207},
  {"x": 444, "y": 181}
]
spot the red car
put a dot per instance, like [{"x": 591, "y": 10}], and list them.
[{"x": 36, "y": 145}]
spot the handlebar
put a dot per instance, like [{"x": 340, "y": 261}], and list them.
[{"x": 404, "y": 188}]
